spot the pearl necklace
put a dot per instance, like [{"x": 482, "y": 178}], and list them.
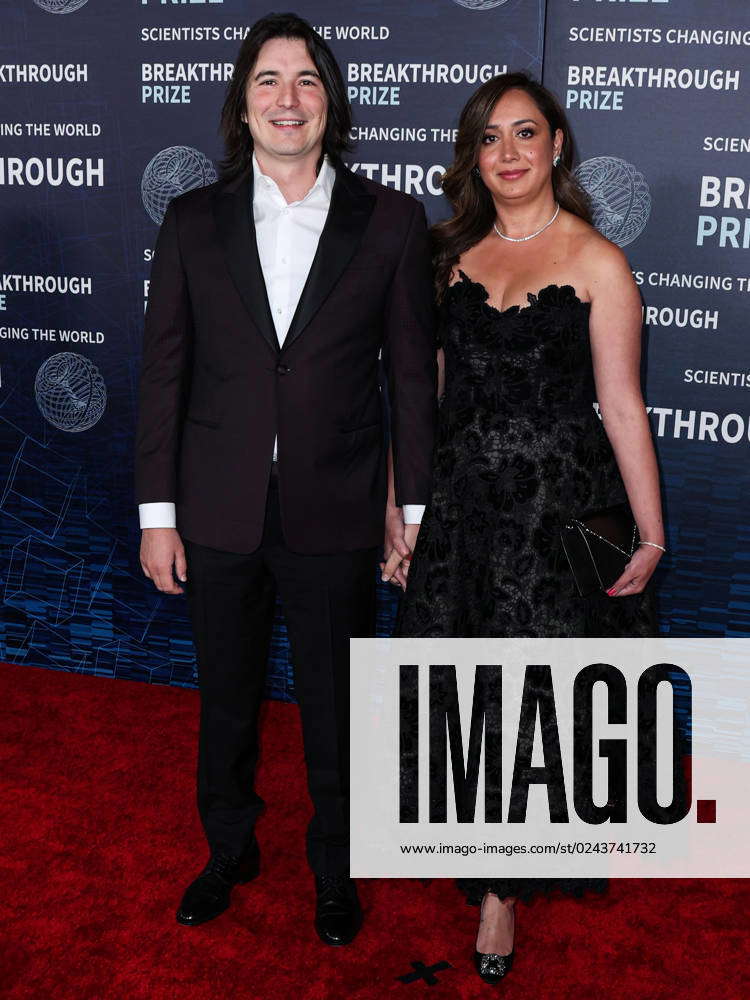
[{"x": 522, "y": 239}]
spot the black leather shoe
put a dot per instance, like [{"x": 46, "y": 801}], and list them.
[
  {"x": 209, "y": 895},
  {"x": 492, "y": 968},
  {"x": 338, "y": 915}
]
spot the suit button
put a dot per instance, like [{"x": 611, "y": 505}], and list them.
[{"x": 283, "y": 369}]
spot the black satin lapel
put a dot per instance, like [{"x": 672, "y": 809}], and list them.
[
  {"x": 350, "y": 211},
  {"x": 233, "y": 209}
]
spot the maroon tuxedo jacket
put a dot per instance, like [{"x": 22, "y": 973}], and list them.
[{"x": 216, "y": 389}]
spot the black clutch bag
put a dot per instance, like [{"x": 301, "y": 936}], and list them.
[{"x": 598, "y": 546}]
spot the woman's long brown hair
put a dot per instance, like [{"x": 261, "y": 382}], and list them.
[{"x": 473, "y": 208}]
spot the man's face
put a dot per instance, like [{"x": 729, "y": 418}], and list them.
[{"x": 285, "y": 102}]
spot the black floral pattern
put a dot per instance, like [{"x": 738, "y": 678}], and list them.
[{"x": 519, "y": 448}]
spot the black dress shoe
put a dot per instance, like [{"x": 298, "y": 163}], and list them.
[
  {"x": 210, "y": 893},
  {"x": 338, "y": 915},
  {"x": 491, "y": 967}
]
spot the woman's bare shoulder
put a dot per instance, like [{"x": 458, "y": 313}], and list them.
[
  {"x": 596, "y": 254},
  {"x": 600, "y": 264}
]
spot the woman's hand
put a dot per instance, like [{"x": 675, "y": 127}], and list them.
[{"x": 637, "y": 573}]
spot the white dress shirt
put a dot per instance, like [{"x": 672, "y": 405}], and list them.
[{"x": 287, "y": 235}]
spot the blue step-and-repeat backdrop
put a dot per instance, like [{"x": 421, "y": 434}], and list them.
[{"x": 108, "y": 108}]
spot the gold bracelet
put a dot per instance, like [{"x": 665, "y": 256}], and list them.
[{"x": 654, "y": 545}]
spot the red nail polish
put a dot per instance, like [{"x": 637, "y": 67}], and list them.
[{"x": 610, "y": 592}]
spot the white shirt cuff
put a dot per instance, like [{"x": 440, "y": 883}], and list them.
[
  {"x": 413, "y": 512},
  {"x": 157, "y": 515}
]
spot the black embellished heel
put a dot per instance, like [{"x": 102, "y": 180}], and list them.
[{"x": 492, "y": 967}]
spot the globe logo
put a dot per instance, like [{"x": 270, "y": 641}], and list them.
[
  {"x": 620, "y": 198},
  {"x": 171, "y": 172},
  {"x": 60, "y": 6},
  {"x": 70, "y": 392},
  {"x": 481, "y": 4}
]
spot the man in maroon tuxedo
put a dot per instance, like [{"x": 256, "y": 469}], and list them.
[{"x": 260, "y": 464}]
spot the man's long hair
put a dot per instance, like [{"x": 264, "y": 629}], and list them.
[{"x": 238, "y": 143}]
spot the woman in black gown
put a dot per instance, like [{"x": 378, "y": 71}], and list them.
[{"x": 540, "y": 317}]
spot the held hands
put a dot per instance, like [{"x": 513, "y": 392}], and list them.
[
  {"x": 161, "y": 552},
  {"x": 400, "y": 540},
  {"x": 395, "y": 548},
  {"x": 637, "y": 573}
]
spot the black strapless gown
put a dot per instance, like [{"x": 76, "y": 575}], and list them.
[{"x": 519, "y": 448}]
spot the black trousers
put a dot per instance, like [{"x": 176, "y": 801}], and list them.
[{"x": 327, "y": 600}]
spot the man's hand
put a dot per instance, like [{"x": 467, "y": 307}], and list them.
[{"x": 161, "y": 552}]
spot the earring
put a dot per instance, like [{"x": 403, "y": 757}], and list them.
[
  {"x": 475, "y": 171},
  {"x": 556, "y": 161}
]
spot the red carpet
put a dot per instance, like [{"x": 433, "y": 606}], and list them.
[{"x": 100, "y": 835}]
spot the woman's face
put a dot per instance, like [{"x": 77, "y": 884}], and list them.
[{"x": 516, "y": 151}]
